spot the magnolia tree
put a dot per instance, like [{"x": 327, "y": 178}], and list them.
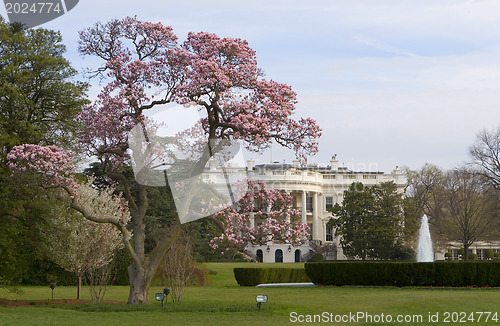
[
  {"x": 106, "y": 214},
  {"x": 144, "y": 68},
  {"x": 262, "y": 215},
  {"x": 82, "y": 246},
  {"x": 88, "y": 243}
]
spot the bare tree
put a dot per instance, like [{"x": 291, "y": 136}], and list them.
[
  {"x": 98, "y": 279},
  {"x": 469, "y": 213},
  {"x": 485, "y": 153},
  {"x": 178, "y": 266},
  {"x": 425, "y": 187}
]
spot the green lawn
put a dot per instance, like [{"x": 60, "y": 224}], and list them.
[{"x": 225, "y": 303}]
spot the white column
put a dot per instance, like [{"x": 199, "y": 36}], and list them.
[
  {"x": 287, "y": 218},
  {"x": 252, "y": 220},
  {"x": 315, "y": 217},
  {"x": 304, "y": 216}
]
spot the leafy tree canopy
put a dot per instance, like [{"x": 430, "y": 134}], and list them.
[
  {"x": 38, "y": 98},
  {"x": 370, "y": 221},
  {"x": 38, "y": 102}
]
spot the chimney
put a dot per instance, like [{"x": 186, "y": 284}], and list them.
[
  {"x": 334, "y": 163},
  {"x": 397, "y": 170}
]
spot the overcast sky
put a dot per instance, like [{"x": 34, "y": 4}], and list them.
[{"x": 390, "y": 82}]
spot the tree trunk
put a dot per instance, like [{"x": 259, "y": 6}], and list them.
[
  {"x": 79, "y": 287},
  {"x": 141, "y": 274},
  {"x": 140, "y": 279},
  {"x": 466, "y": 252}
]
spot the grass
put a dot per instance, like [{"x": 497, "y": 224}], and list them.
[{"x": 225, "y": 303}]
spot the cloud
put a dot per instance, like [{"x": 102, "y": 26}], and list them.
[{"x": 392, "y": 82}]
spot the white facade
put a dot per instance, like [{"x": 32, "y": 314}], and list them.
[
  {"x": 478, "y": 248},
  {"x": 314, "y": 190}
]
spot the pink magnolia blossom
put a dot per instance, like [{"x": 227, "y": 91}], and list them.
[
  {"x": 145, "y": 68},
  {"x": 53, "y": 165},
  {"x": 280, "y": 222},
  {"x": 51, "y": 162}
]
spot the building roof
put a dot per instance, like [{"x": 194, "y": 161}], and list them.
[{"x": 321, "y": 169}]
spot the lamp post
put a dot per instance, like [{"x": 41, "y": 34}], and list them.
[
  {"x": 166, "y": 291},
  {"x": 162, "y": 296},
  {"x": 52, "y": 286},
  {"x": 260, "y": 300}
]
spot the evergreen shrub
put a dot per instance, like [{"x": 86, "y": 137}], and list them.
[
  {"x": 317, "y": 257},
  {"x": 489, "y": 254},
  {"x": 256, "y": 276},
  {"x": 455, "y": 274},
  {"x": 43, "y": 272}
]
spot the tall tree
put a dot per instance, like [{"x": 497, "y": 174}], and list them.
[
  {"x": 146, "y": 69},
  {"x": 38, "y": 101},
  {"x": 425, "y": 190},
  {"x": 370, "y": 221},
  {"x": 38, "y": 98},
  {"x": 470, "y": 213}
]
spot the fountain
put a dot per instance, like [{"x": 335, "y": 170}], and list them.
[{"x": 424, "y": 249}]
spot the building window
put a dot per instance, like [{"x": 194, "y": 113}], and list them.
[
  {"x": 480, "y": 254},
  {"x": 329, "y": 234},
  {"x": 260, "y": 256},
  {"x": 349, "y": 176},
  {"x": 328, "y": 176},
  {"x": 369, "y": 177},
  {"x": 309, "y": 204},
  {"x": 278, "y": 256},
  {"x": 297, "y": 255},
  {"x": 328, "y": 202}
]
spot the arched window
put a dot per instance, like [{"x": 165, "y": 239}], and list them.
[
  {"x": 297, "y": 255},
  {"x": 260, "y": 256},
  {"x": 278, "y": 256}
]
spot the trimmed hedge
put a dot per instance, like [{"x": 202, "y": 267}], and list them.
[
  {"x": 256, "y": 276},
  {"x": 457, "y": 274}
]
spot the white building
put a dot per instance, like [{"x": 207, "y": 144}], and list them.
[
  {"x": 479, "y": 248},
  {"x": 314, "y": 189}
]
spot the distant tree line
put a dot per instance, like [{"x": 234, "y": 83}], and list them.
[{"x": 463, "y": 203}]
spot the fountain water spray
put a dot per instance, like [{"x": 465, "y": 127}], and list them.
[{"x": 424, "y": 249}]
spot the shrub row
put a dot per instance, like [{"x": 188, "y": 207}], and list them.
[
  {"x": 459, "y": 274},
  {"x": 256, "y": 276}
]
